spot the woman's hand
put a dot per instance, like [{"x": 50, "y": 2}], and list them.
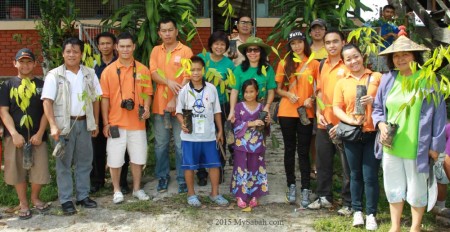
[
  {"x": 366, "y": 100},
  {"x": 383, "y": 131},
  {"x": 308, "y": 103},
  {"x": 357, "y": 121},
  {"x": 433, "y": 154},
  {"x": 292, "y": 97}
]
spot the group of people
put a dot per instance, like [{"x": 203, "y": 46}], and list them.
[{"x": 98, "y": 117}]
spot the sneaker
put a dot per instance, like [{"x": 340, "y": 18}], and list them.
[
  {"x": 345, "y": 211},
  {"x": 321, "y": 202},
  {"x": 290, "y": 194},
  {"x": 163, "y": 184},
  {"x": 305, "y": 197},
  {"x": 371, "y": 222},
  {"x": 118, "y": 197},
  {"x": 182, "y": 188},
  {"x": 141, "y": 195},
  {"x": 358, "y": 219}
]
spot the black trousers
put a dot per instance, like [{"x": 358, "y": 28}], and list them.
[
  {"x": 296, "y": 137},
  {"x": 324, "y": 163},
  {"x": 99, "y": 160}
]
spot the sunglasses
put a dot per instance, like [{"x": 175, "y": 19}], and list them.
[{"x": 255, "y": 50}]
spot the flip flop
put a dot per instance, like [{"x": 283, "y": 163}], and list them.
[
  {"x": 42, "y": 208},
  {"x": 25, "y": 214}
]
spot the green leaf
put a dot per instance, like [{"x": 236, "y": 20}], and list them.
[
  {"x": 22, "y": 120},
  {"x": 264, "y": 70},
  {"x": 179, "y": 72},
  {"x": 275, "y": 51},
  {"x": 275, "y": 142},
  {"x": 320, "y": 104},
  {"x": 222, "y": 3},
  {"x": 161, "y": 73},
  {"x": 168, "y": 56}
]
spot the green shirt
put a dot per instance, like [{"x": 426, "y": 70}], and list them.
[
  {"x": 222, "y": 67},
  {"x": 406, "y": 140},
  {"x": 264, "y": 82}
]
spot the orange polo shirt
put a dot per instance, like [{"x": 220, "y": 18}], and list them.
[
  {"x": 345, "y": 94},
  {"x": 325, "y": 84},
  {"x": 303, "y": 88},
  {"x": 158, "y": 60},
  {"x": 111, "y": 88}
]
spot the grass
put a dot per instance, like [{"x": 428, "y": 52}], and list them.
[{"x": 335, "y": 222}]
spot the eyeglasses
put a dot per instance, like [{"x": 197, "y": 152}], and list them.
[
  {"x": 255, "y": 50},
  {"x": 246, "y": 23}
]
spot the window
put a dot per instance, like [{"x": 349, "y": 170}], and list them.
[{"x": 18, "y": 10}]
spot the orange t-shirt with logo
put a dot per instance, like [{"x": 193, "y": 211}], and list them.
[
  {"x": 118, "y": 89},
  {"x": 169, "y": 65},
  {"x": 325, "y": 84},
  {"x": 345, "y": 94},
  {"x": 303, "y": 88}
]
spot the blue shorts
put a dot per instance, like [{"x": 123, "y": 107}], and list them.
[{"x": 200, "y": 155}]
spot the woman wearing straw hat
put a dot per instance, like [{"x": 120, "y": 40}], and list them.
[
  {"x": 255, "y": 66},
  {"x": 420, "y": 133}
]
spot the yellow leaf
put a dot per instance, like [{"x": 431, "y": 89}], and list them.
[
  {"x": 179, "y": 72},
  {"x": 222, "y": 87},
  {"x": 222, "y": 3},
  {"x": 275, "y": 51},
  {"x": 264, "y": 70},
  {"x": 248, "y": 209},
  {"x": 161, "y": 73},
  {"x": 168, "y": 56}
]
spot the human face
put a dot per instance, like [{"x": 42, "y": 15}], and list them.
[
  {"x": 218, "y": 48},
  {"x": 168, "y": 33},
  {"x": 105, "y": 45},
  {"x": 353, "y": 60},
  {"x": 402, "y": 60},
  {"x": 253, "y": 53},
  {"x": 125, "y": 48},
  {"x": 297, "y": 46},
  {"x": 333, "y": 44},
  {"x": 388, "y": 14},
  {"x": 72, "y": 55},
  {"x": 317, "y": 32},
  {"x": 196, "y": 72},
  {"x": 25, "y": 67},
  {"x": 245, "y": 26},
  {"x": 250, "y": 93}
]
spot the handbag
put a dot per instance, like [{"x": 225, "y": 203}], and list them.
[{"x": 350, "y": 133}]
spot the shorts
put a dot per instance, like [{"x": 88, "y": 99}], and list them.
[
  {"x": 14, "y": 171},
  {"x": 439, "y": 171},
  {"x": 200, "y": 155},
  {"x": 134, "y": 141},
  {"x": 403, "y": 181}
]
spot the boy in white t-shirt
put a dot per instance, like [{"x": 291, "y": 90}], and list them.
[{"x": 198, "y": 137}]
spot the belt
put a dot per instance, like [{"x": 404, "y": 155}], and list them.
[{"x": 78, "y": 118}]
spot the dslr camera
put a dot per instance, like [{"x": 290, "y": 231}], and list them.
[{"x": 127, "y": 104}]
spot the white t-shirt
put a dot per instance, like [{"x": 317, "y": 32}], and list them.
[
  {"x": 204, "y": 106},
  {"x": 76, "y": 90}
]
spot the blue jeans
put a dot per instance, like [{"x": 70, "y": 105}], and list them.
[
  {"x": 79, "y": 151},
  {"x": 363, "y": 173},
  {"x": 162, "y": 140}
]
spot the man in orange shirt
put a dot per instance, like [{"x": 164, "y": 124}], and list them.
[
  {"x": 165, "y": 62},
  {"x": 333, "y": 69},
  {"x": 127, "y": 91}
]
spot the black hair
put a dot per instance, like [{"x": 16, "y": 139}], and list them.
[
  {"x": 389, "y": 7},
  {"x": 418, "y": 58},
  {"x": 166, "y": 20},
  {"x": 290, "y": 64},
  {"x": 125, "y": 35},
  {"x": 73, "y": 41},
  {"x": 198, "y": 60},
  {"x": 249, "y": 82},
  {"x": 106, "y": 34},
  {"x": 262, "y": 61},
  {"x": 218, "y": 36},
  {"x": 246, "y": 16},
  {"x": 348, "y": 47},
  {"x": 336, "y": 32}
]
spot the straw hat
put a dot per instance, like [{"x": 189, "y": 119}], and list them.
[
  {"x": 254, "y": 41},
  {"x": 403, "y": 44}
]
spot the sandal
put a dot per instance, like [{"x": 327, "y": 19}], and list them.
[
  {"x": 219, "y": 200},
  {"x": 241, "y": 204},
  {"x": 193, "y": 201},
  {"x": 25, "y": 214},
  {"x": 253, "y": 202},
  {"x": 43, "y": 207}
]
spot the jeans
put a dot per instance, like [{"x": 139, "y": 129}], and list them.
[
  {"x": 324, "y": 163},
  {"x": 296, "y": 136},
  {"x": 363, "y": 173},
  {"x": 162, "y": 140},
  {"x": 79, "y": 151}
]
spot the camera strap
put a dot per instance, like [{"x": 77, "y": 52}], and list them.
[{"x": 134, "y": 80}]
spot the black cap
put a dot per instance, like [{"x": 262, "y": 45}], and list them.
[
  {"x": 25, "y": 53},
  {"x": 319, "y": 22},
  {"x": 296, "y": 34}
]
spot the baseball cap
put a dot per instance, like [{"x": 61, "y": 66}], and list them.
[
  {"x": 296, "y": 34},
  {"x": 25, "y": 53},
  {"x": 319, "y": 22}
]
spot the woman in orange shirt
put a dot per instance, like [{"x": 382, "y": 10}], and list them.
[
  {"x": 360, "y": 154},
  {"x": 295, "y": 81}
]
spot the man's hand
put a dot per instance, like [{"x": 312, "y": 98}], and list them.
[
  {"x": 321, "y": 120},
  {"x": 174, "y": 86},
  {"x": 36, "y": 139},
  {"x": 184, "y": 128},
  {"x": 18, "y": 140},
  {"x": 332, "y": 132},
  {"x": 171, "y": 105},
  {"x": 55, "y": 132},
  {"x": 106, "y": 131},
  {"x": 146, "y": 114},
  {"x": 219, "y": 138}
]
